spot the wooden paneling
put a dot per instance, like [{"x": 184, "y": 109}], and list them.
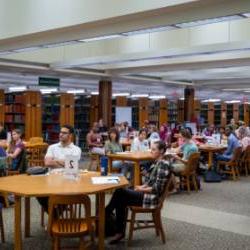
[
  {"x": 236, "y": 112},
  {"x": 197, "y": 109},
  {"x": 180, "y": 111},
  {"x": 2, "y": 105},
  {"x": 67, "y": 109},
  {"x": 210, "y": 116},
  {"x": 105, "y": 99},
  {"x": 163, "y": 112},
  {"x": 33, "y": 114},
  {"x": 93, "y": 109},
  {"x": 246, "y": 114},
  {"x": 143, "y": 110},
  {"x": 121, "y": 101},
  {"x": 223, "y": 114},
  {"x": 188, "y": 104}
]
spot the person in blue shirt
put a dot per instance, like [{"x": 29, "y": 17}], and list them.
[{"x": 232, "y": 144}]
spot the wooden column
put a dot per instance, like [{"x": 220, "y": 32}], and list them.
[
  {"x": 188, "y": 104},
  {"x": 210, "y": 115},
  {"x": 33, "y": 114},
  {"x": 121, "y": 101},
  {"x": 2, "y": 110},
  {"x": 246, "y": 114},
  {"x": 236, "y": 112},
  {"x": 180, "y": 111},
  {"x": 67, "y": 109},
  {"x": 105, "y": 102},
  {"x": 163, "y": 113},
  {"x": 143, "y": 110},
  {"x": 223, "y": 114},
  {"x": 197, "y": 109},
  {"x": 93, "y": 109}
]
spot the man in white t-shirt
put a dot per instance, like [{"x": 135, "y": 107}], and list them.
[
  {"x": 140, "y": 144},
  {"x": 55, "y": 156}
]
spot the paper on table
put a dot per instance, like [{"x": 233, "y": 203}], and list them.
[{"x": 105, "y": 180}]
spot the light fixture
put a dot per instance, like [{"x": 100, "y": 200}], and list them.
[
  {"x": 150, "y": 30},
  {"x": 3, "y": 53},
  {"x": 240, "y": 89},
  {"x": 211, "y": 100},
  {"x": 246, "y": 14},
  {"x": 121, "y": 94},
  {"x": 19, "y": 88},
  {"x": 208, "y": 21},
  {"x": 76, "y": 91},
  {"x": 52, "y": 45},
  {"x": 233, "y": 101},
  {"x": 100, "y": 38},
  {"x": 139, "y": 95},
  {"x": 157, "y": 96},
  {"x": 26, "y": 49},
  {"x": 48, "y": 91},
  {"x": 94, "y": 93}
]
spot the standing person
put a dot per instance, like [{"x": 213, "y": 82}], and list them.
[
  {"x": 56, "y": 153},
  {"x": 146, "y": 195},
  {"x": 15, "y": 151},
  {"x": 140, "y": 143},
  {"x": 94, "y": 141}
]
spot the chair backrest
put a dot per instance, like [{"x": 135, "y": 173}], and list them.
[
  {"x": 23, "y": 164},
  {"x": 168, "y": 187},
  {"x": 35, "y": 140},
  {"x": 69, "y": 212},
  {"x": 246, "y": 153},
  {"x": 192, "y": 163},
  {"x": 37, "y": 154},
  {"x": 236, "y": 154}
]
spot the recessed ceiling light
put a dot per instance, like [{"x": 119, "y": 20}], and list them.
[
  {"x": 211, "y": 100},
  {"x": 233, "y": 101},
  {"x": 48, "y": 91},
  {"x": 52, "y": 45},
  {"x": 19, "y": 88},
  {"x": 121, "y": 94},
  {"x": 139, "y": 95},
  {"x": 246, "y": 14},
  {"x": 150, "y": 30},
  {"x": 26, "y": 49},
  {"x": 157, "y": 96},
  {"x": 239, "y": 89},
  {"x": 3, "y": 53},
  {"x": 100, "y": 38},
  {"x": 94, "y": 93},
  {"x": 76, "y": 91}
]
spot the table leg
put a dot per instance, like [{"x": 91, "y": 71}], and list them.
[
  {"x": 17, "y": 229},
  {"x": 210, "y": 159},
  {"x": 27, "y": 217},
  {"x": 101, "y": 226},
  {"x": 137, "y": 174},
  {"x": 110, "y": 160}
]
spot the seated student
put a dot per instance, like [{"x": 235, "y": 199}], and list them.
[
  {"x": 232, "y": 144},
  {"x": 154, "y": 135},
  {"x": 188, "y": 148},
  {"x": 15, "y": 150},
  {"x": 123, "y": 132},
  {"x": 140, "y": 143},
  {"x": 244, "y": 137},
  {"x": 208, "y": 131},
  {"x": 102, "y": 127},
  {"x": 94, "y": 141},
  {"x": 56, "y": 153},
  {"x": 146, "y": 195}
]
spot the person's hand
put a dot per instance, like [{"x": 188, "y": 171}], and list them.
[
  {"x": 176, "y": 157},
  {"x": 138, "y": 188}
]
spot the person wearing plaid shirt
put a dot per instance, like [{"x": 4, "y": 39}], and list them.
[{"x": 146, "y": 195}]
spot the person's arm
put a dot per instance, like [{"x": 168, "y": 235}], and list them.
[
  {"x": 15, "y": 153},
  {"x": 229, "y": 149},
  {"x": 50, "y": 160}
]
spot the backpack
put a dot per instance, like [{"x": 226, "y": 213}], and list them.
[{"x": 212, "y": 176}]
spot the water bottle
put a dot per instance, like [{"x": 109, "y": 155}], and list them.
[{"x": 104, "y": 165}]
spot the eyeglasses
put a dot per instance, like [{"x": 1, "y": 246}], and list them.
[{"x": 64, "y": 133}]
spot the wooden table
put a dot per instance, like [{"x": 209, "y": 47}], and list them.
[
  {"x": 33, "y": 145},
  {"x": 43, "y": 186},
  {"x": 211, "y": 149},
  {"x": 136, "y": 157}
]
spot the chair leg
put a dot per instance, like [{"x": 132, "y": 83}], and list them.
[
  {"x": 159, "y": 222},
  {"x": 246, "y": 168},
  {"x": 2, "y": 227},
  {"x": 131, "y": 227},
  {"x": 156, "y": 223},
  {"x": 195, "y": 183},
  {"x": 56, "y": 243},
  {"x": 42, "y": 217},
  {"x": 82, "y": 244},
  {"x": 233, "y": 174},
  {"x": 188, "y": 184}
]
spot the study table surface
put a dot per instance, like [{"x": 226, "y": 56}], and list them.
[
  {"x": 136, "y": 157},
  {"x": 55, "y": 184},
  {"x": 211, "y": 149}
]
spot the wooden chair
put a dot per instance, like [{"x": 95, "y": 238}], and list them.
[
  {"x": 155, "y": 212},
  {"x": 35, "y": 140},
  {"x": 188, "y": 176},
  {"x": 22, "y": 165},
  {"x": 232, "y": 165},
  {"x": 69, "y": 216},
  {"x": 245, "y": 161},
  {"x": 94, "y": 158},
  {"x": 36, "y": 155},
  {"x": 1, "y": 223}
]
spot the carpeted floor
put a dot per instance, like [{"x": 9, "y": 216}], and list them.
[{"x": 228, "y": 196}]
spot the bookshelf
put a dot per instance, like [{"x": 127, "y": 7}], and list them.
[
  {"x": 180, "y": 111},
  {"x": 93, "y": 109},
  {"x": 113, "y": 111},
  {"x": 51, "y": 117},
  {"x": 143, "y": 110},
  {"x": 241, "y": 112},
  {"x": 82, "y": 119},
  {"x": 134, "y": 104},
  {"x": 163, "y": 111},
  {"x": 153, "y": 112},
  {"x": 217, "y": 114},
  {"x": 172, "y": 112},
  {"x": 2, "y": 107},
  {"x": 223, "y": 114},
  {"x": 246, "y": 113},
  {"x": 229, "y": 112}
]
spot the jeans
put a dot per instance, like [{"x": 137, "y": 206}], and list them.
[
  {"x": 220, "y": 157},
  {"x": 121, "y": 199}
]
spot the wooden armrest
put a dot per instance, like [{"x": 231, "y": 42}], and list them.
[{"x": 141, "y": 209}]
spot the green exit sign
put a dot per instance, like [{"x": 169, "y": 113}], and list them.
[{"x": 49, "y": 82}]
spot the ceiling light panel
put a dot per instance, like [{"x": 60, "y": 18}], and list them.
[
  {"x": 100, "y": 38},
  {"x": 143, "y": 31}
]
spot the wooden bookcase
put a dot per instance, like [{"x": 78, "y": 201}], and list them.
[
  {"x": 172, "y": 112},
  {"x": 210, "y": 113},
  {"x": 67, "y": 109},
  {"x": 134, "y": 104},
  {"x": 93, "y": 109},
  {"x": 246, "y": 113},
  {"x": 143, "y": 110},
  {"x": 236, "y": 112},
  {"x": 180, "y": 112},
  {"x": 223, "y": 119},
  {"x": 23, "y": 111},
  {"x": 153, "y": 112},
  {"x": 163, "y": 111},
  {"x": 2, "y": 101}
]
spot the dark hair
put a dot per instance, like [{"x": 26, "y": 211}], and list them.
[
  {"x": 143, "y": 130},
  {"x": 161, "y": 145},
  {"x": 1, "y": 124},
  {"x": 69, "y": 127},
  {"x": 186, "y": 134},
  {"x": 19, "y": 132},
  {"x": 189, "y": 130},
  {"x": 115, "y": 131}
]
